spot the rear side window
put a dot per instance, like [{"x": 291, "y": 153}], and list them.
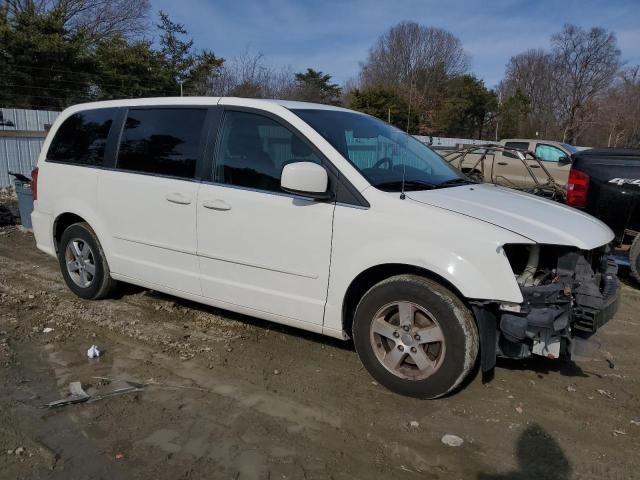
[
  {"x": 519, "y": 145},
  {"x": 162, "y": 141},
  {"x": 82, "y": 138}
]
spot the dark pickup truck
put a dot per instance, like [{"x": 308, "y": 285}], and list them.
[{"x": 606, "y": 184}]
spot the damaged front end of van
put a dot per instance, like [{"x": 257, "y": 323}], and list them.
[{"x": 568, "y": 294}]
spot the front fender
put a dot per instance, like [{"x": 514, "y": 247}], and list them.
[{"x": 464, "y": 251}]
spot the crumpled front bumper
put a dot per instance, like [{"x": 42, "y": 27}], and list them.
[
  {"x": 551, "y": 316},
  {"x": 589, "y": 319}
]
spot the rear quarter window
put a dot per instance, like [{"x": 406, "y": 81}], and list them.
[
  {"x": 82, "y": 138},
  {"x": 519, "y": 145}
]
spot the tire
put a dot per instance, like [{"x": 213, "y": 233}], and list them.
[
  {"x": 634, "y": 258},
  {"x": 446, "y": 351},
  {"x": 90, "y": 286}
]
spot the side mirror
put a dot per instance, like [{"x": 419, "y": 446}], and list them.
[
  {"x": 305, "y": 178},
  {"x": 564, "y": 160}
]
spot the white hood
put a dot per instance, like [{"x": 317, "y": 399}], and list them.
[{"x": 540, "y": 220}]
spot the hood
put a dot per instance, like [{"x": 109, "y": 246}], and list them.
[{"x": 536, "y": 218}]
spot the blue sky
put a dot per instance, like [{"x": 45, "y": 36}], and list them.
[{"x": 334, "y": 36}]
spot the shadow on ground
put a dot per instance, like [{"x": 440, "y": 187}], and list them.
[{"x": 539, "y": 457}]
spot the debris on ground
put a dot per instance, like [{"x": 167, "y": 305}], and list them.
[
  {"x": 47, "y": 330},
  {"x": 635, "y": 422},
  {"x": 571, "y": 389},
  {"x": 452, "y": 440},
  {"x": 604, "y": 393},
  {"x": 617, "y": 433},
  {"x": 133, "y": 387},
  {"x": 93, "y": 352},
  {"x": 413, "y": 424},
  {"x": 78, "y": 395}
]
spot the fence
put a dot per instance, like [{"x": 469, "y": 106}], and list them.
[
  {"x": 450, "y": 142},
  {"x": 22, "y": 133}
]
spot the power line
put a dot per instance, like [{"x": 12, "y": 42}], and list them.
[
  {"x": 122, "y": 89},
  {"x": 88, "y": 83}
]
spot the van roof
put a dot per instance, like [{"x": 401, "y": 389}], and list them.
[{"x": 248, "y": 102}]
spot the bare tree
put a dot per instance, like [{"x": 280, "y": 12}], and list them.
[
  {"x": 415, "y": 61},
  {"x": 408, "y": 50},
  {"x": 585, "y": 64},
  {"x": 248, "y": 76},
  {"x": 619, "y": 111},
  {"x": 531, "y": 73},
  {"x": 98, "y": 18}
]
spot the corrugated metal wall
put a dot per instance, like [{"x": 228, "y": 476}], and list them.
[
  {"x": 27, "y": 120},
  {"x": 19, "y": 153}
]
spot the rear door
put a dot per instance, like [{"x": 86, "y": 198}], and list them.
[
  {"x": 554, "y": 161},
  {"x": 149, "y": 199},
  {"x": 508, "y": 169},
  {"x": 262, "y": 250}
]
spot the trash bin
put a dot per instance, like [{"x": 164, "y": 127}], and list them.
[{"x": 25, "y": 202}]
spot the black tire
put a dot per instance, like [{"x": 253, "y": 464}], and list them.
[
  {"x": 457, "y": 328},
  {"x": 101, "y": 284},
  {"x": 634, "y": 258}
]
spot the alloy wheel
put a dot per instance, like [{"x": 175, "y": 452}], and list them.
[{"x": 407, "y": 340}]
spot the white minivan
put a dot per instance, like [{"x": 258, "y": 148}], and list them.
[{"x": 321, "y": 218}]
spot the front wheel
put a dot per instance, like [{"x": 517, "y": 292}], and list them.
[{"x": 415, "y": 336}]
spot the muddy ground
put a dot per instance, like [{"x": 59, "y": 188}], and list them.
[{"x": 231, "y": 397}]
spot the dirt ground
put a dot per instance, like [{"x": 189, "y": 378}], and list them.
[{"x": 231, "y": 397}]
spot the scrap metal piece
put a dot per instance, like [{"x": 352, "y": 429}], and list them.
[{"x": 78, "y": 395}]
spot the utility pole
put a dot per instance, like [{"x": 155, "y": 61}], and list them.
[
  {"x": 181, "y": 82},
  {"x": 498, "y": 115}
]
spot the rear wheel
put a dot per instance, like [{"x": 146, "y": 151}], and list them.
[
  {"x": 83, "y": 263},
  {"x": 415, "y": 337}
]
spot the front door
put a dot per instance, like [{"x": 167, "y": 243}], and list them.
[
  {"x": 555, "y": 160},
  {"x": 258, "y": 246}
]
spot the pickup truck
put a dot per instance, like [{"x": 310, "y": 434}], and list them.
[
  {"x": 503, "y": 167},
  {"x": 606, "y": 184}
]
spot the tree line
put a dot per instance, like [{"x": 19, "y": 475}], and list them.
[{"x": 55, "y": 53}]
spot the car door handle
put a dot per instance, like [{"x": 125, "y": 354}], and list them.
[
  {"x": 216, "y": 204},
  {"x": 534, "y": 166},
  {"x": 502, "y": 163},
  {"x": 179, "y": 198}
]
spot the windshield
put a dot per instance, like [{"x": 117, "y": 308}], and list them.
[
  {"x": 383, "y": 154},
  {"x": 570, "y": 148}
]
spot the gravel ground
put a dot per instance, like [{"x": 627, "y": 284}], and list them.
[{"x": 227, "y": 396}]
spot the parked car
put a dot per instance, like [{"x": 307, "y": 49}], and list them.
[
  {"x": 606, "y": 184},
  {"x": 507, "y": 168},
  {"x": 324, "y": 219}
]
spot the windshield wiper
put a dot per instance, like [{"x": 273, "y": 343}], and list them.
[
  {"x": 408, "y": 185},
  {"x": 456, "y": 181}
]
